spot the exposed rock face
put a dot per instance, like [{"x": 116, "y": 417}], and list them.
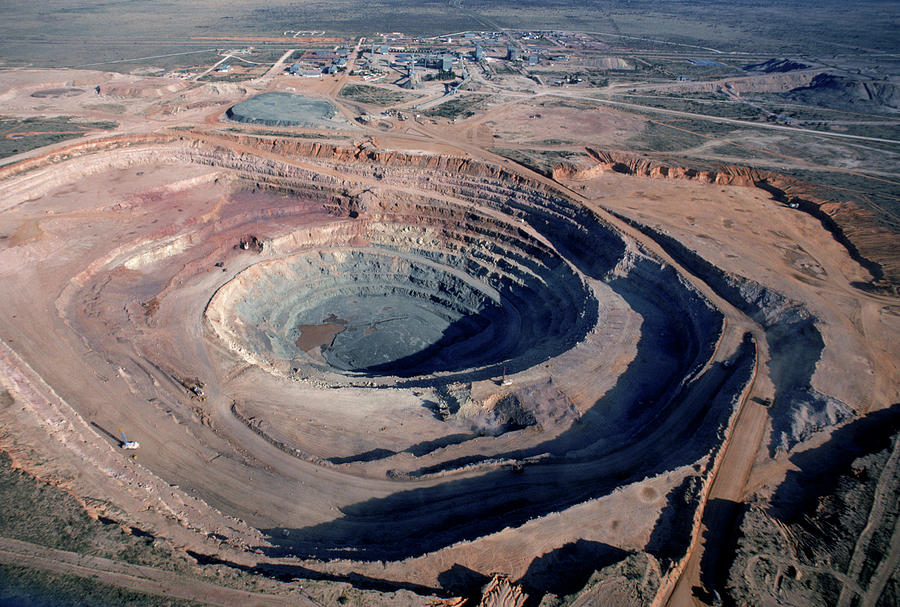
[
  {"x": 423, "y": 297},
  {"x": 795, "y": 345},
  {"x": 498, "y": 592},
  {"x": 857, "y": 229},
  {"x": 517, "y": 274},
  {"x": 530, "y": 406}
]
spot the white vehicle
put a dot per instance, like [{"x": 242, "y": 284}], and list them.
[{"x": 128, "y": 444}]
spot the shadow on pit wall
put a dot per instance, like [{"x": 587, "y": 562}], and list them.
[
  {"x": 795, "y": 343},
  {"x": 488, "y": 339},
  {"x": 419, "y": 449},
  {"x": 667, "y": 353},
  {"x": 562, "y": 571},
  {"x": 567, "y": 569},
  {"x": 671, "y": 535},
  {"x": 581, "y": 238},
  {"x": 612, "y": 445},
  {"x": 649, "y": 422},
  {"x": 819, "y": 470},
  {"x": 289, "y": 573}
]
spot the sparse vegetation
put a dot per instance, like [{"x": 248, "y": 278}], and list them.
[
  {"x": 551, "y": 141},
  {"x": 459, "y": 107},
  {"x": 658, "y": 137},
  {"x": 720, "y": 108},
  {"x": 112, "y": 108},
  {"x": 750, "y": 27},
  {"x": 439, "y": 75},
  {"x": 503, "y": 68},
  {"x": 374, "y": 95},
  {"x": 36, "y": 512},
  {"x": 32, "y": 511},
  {"x": 22, "y": 135},
  {"x": 38, "y": 588},
  {"x": 880, "y": 196}
]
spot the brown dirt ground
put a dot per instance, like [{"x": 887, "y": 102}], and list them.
[{"x": 67, "y": 221}]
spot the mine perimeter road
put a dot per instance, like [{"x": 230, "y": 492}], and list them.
[
  {"x": 680, "y": 114},
  {"x": 139, "y": 578},
  {"x": 760, "y": 125},
  {"x": 728, "y": 486}
]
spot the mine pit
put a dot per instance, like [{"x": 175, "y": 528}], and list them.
[
  {"x": 490, "y": 317},
  {"x": 450, "y": 338},
  {"x": 395, "y": 370},
  {"x": 403, "y": 310}
]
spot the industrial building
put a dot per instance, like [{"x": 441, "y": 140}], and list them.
[
  {"x": 295, "y": 69},
  {"x": 412, "y": 80}
]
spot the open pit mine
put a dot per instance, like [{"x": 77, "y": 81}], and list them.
[{"x": 410, "y": 371}]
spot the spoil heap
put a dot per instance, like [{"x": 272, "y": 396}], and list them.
[{"x": 284, "y": 109}]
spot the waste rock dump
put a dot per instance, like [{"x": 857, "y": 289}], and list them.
[{"x": 284, "y": 109}]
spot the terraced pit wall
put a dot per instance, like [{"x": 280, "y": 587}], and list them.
[{"x": 517, "y": 277}]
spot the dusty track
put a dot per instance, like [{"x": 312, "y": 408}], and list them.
[{"x": 136, "y": 577}]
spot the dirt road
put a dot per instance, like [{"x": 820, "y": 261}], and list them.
[
  {"x": 726, "y": 493},
  {"x": 139, "y": 578},
  {"x": 276, "y": 67},
  {"x": 211, "y": 68}
]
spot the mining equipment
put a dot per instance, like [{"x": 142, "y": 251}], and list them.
[{"x": 128, "y": 444}]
